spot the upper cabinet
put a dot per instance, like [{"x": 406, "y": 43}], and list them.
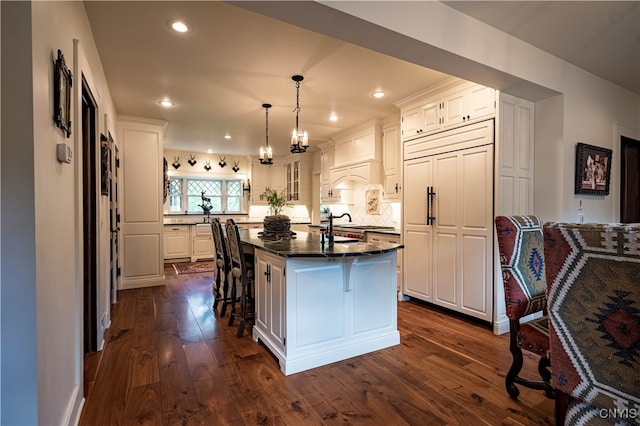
[
  {"x": 266, "y": 176},
  {"x": 446, "y": 106},
  {"x": 291, "y": 174},
  {"x": 358, "y": 145},
  {"x": 297, "y": 172},
  {"x": 391, "y": 161}
]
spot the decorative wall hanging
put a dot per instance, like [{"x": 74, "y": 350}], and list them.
[
  {"x": 105, "y": 165},
  {"x": 62, "y": 82},
  {"x": 235, "y": 167},
  {"x": 176, "y": 163},
  {"x": 373, "y": 201},
  {"x": 222, "y": 162},
  {"x": 165, "y": 177},
  {"x": 192, "y": 160},
  {"x": 593, "y": 169},
  {"x": 207, "y": 165}
]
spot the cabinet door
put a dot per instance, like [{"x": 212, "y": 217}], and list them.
[
  {"x": 270, "y": 298},
  {"x": 411, "y": 123},
  {"x": 482, "y": 102},
  {"x": 463, "y": 231},
  {"x": 176, "y": 241},
  {"x": 417, "y": 177},
  {"x": 260, "y": 179},
  {"x": 391, "y": 162},
  {"x": 455, "y": 108},
  {"x": 202, "y": 247},
  {"x": 326, "y": 164}
]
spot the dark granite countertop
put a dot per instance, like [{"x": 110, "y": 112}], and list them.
[{"x": 308, "y": 245}]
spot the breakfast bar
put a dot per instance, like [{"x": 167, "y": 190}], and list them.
[{"x": 317, "y": 304}]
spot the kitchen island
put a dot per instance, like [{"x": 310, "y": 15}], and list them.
[{"x": 316, "y": 305}]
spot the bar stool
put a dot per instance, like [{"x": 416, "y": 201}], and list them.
[
  {"x": 242, "y": 272},
  {"x": 223, "y": 263}
]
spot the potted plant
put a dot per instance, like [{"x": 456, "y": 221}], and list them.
[{"x": 277, "y": 224}]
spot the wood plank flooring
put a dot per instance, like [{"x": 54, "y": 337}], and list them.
[{"x": 169, "y": 360}]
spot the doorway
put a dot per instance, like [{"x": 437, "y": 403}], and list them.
[
  {"x": 89, "y": 219},
  {"x": 629, "y": 180}
]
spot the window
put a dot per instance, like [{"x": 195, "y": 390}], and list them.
[{"x": 186, "y": 195}]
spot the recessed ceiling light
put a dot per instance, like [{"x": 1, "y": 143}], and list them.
[
  {"x": 379, "y": 94},
  {"x": 227, "y": 136},
  {"x": 166, "y": 103},
  {"x": 179, "y": 26},
  {"x": 333, "y": 117},
  {"x": 209, "y": 151}
]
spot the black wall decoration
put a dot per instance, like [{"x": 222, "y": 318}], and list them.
[
  {"x": 192, "y": 160},
  {"x": 222, "y": 162},
  {"x": 176, "y": 163},
  {"x": 207, "y": 165},
  {"x": 235, "y": 167}
]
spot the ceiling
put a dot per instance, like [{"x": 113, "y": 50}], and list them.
[{"x": 233, "y": 60}]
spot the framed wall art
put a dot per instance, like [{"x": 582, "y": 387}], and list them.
[
  {"x": 62, "y": 82},
  {"x": 373, "y": 201},
  {"x": 593, "y": 169}
]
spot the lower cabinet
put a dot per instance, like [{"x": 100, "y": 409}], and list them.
[
  {"x": 270, "y": 299},
  {"x": 177, "y": 241},
  {"x": 202, "y": 244},
  {"x": 315, "y": 311}
]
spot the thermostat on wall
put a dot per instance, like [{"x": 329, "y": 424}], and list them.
[{"x": 65, "y": 154}]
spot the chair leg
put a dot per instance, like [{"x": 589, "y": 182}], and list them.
[
  {"x": 543, "y": 370},
  {"x": 243, "y": 309},
  {"x": 233, "y": 313},
  {"x": 225, "y": 294},
  {"x": 513, "y": 372},
  {"x": 216, "y": 284}
]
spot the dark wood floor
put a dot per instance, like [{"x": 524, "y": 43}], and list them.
[{"x": 168, "y": 360}]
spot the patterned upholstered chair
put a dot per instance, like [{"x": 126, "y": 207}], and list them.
[
  {"x": 522, "y": 261},
  {"x": 223, "y": 267},
  {"x": 593, "y": 272}
]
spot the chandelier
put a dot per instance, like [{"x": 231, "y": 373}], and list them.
[
  {"x": 299, "y": 140},
  {"x": 266, "y": 155}
]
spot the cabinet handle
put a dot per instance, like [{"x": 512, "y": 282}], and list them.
[
  {"x": 430, "y": 202},
  {"x": 267, "y": 273},
  {"x": 396, "y": 187}
]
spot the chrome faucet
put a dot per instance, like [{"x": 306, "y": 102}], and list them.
[{"x": 331, "y": 217}]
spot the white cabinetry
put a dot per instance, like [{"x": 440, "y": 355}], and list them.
[
  {"x": 315, "y": 311},
  {"x": 391, "y": 162},
  {"x": 270, "y": 297},
  {"x": 202, "y": 244},
  {"x": 328, "y": 193},
  {"x": 454, "y": 105},
  {"x": 298, "y": 180},
  {"x": 266, "y": 176},
  {"x": 358, "y": 145},
  {"x": 176, "y": 241},
  {"x": 448, "y": 219},
  {"x": 375, "y": 237}
]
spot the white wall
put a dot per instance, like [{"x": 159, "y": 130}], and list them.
[{"x": 45, "y": 255}]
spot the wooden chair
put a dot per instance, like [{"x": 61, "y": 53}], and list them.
[
  {"x": 223, "y": 268},
  {"x": 241, "y": 273},
  {"x": 522, "y": 261}
]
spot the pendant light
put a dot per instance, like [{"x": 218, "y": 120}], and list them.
[
  {"x": 266, "y": 155},
  {"x": 299, "y": 140}
]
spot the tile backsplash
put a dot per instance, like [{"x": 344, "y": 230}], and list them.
[{"x": 389, "y": 213}]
